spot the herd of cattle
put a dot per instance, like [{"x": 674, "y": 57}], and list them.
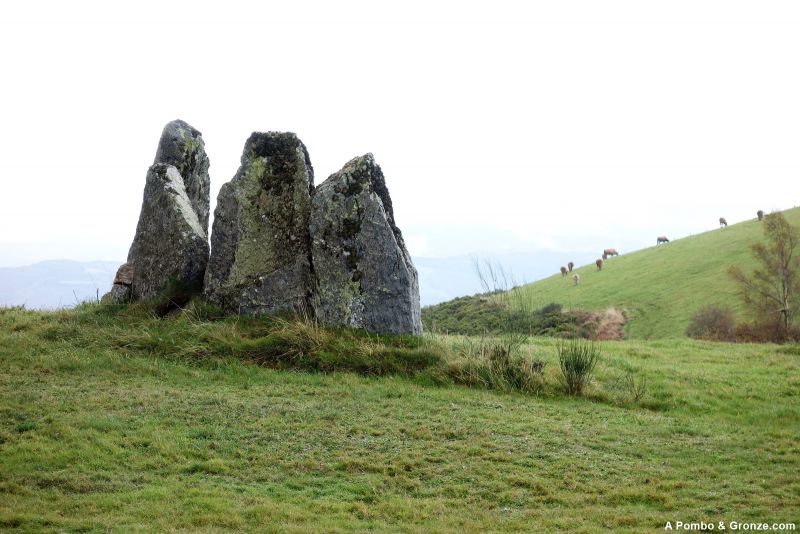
[{"x": 607, "y": 253}]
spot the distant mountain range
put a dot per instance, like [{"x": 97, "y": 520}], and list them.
[{"x": 56, "y": 284}]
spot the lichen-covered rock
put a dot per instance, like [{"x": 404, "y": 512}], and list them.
[
  {"x": 170, "y": 249},
  {"x": 364, "y": 274},
  {"x": 182, "y": 146},
  {"x": 260, "y": 248}
]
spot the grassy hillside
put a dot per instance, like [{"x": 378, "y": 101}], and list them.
[
  {"x": 111, "y": 421},
  {"x": 661, "y": 287}
]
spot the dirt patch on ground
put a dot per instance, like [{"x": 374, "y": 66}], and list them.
[{"x": 603, "y": 325}]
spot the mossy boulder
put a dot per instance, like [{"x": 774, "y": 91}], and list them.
[
  {"x": 364, "y": 276},
  {"x": 260, "y": 248}
]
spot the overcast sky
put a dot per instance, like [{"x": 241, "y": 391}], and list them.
[{"x": 499, "y": 125}]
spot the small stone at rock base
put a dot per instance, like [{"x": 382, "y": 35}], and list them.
[
  {"x": 119, "y": 294},
  {"x": 124, "y": 274}
]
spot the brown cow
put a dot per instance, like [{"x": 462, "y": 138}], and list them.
[
  {"x": 563, "y": 271},
  {"x": 576, "y": 279},
  {"x": 610, "y": 252},
  {"x": 723, "y": 222},
  {"x": 661, "y": 239},
  {"x": 599, "y": 264},
  {"x": 760, "y": 214},
  {"x": 570, "y": 265}
]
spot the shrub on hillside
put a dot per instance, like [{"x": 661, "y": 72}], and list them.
[
  {"x": 712, "y": 323},
  {"x": 766, "y": 332}
]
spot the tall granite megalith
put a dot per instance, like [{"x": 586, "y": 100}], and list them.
[
  {"x": 364, "y": 274},
  {"x": 170, "y": 248},
  {"x": 260, "y": 248}
]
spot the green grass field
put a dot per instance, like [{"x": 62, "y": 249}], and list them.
[
  {"x": 123, "y": 423},
  {"x": 661, "y": 287}
]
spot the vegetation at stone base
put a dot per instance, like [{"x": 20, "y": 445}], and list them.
[
  {"x": 202, "y": 332},
  {"x": 112, "y": 420},
  {"x": 481, "y": 315},
  {"x": 659, "y": 288},
  {"x": 174, "y": 296}
]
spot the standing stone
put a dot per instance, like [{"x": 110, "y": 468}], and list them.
[
  {"x": 364, "y": 274},
  {"x": 182, "y": 146},
  {"x": 260, "y": 248},
  {"x": 170, "y": 250}
]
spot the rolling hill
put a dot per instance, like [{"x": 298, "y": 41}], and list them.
[
  {"x": 113, "y": 420},
  {"x": 659, "y": 287}
]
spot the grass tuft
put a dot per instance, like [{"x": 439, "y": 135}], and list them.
[{"x": 577, "y": 358}]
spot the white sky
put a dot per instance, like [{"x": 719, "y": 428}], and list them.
[{"x": 565, "y": 125}]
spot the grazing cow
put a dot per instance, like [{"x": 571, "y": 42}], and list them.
[
  {"x": 760, "y": 214},
  {"x": 599, "y": 264},
  {"x": 570, "y": 265},
  {"x": 723, "y": 222},
  {"x": 576, "y": 279},
  {"x": 661, "y": 239},
  {"x": 563, "y": 271},
  {"x": 610, "y": 252}
]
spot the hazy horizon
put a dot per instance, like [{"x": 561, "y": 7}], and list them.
[{"x": 561, "y": 127}]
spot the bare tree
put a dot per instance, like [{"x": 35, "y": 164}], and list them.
[{"x": 772, "y": 291}]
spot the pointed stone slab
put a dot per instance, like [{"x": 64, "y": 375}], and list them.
[
  {"x": 182, "y": 146},
  {"x": 170, "y": 249},
  {"x": 260, "y": 248},
  {"x": 364, "y": 275}
]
